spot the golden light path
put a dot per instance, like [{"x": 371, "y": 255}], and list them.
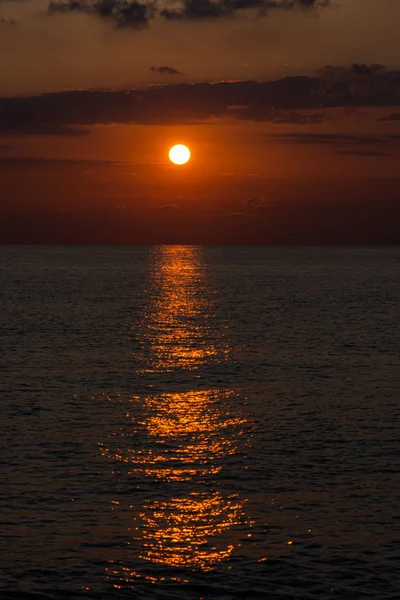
[
  {"x": 179, "y": 154},
  {"x": 183, "y": 437}
]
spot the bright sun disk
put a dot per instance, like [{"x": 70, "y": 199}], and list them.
[{"x": 179, "y": 154}]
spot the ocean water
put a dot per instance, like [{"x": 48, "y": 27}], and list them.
[{"x": 199, "y": 423}]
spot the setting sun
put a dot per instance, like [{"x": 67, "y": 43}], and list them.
[{"x": 179, "y": 154}]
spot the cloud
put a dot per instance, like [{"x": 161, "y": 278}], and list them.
[
  {"x": 253, "y": 200},
  {"x": 124, "y": 13},
  {"x": 300, "y": 118},
  {"x": 367, "y": 70},
  {"x": 7, "y": 22},
  {"x": 53, "y": 129},
  {"x": 213, "y": 9},
  {"x": 31, "y": 160},
  {"x": 372, "y": 153},
  {"x": 238, "y": 215},
  {"x": 360, "y": 84},
  {"x": 164, "y": 70},
  {"x": 290, "y": 100},
  {"x": 338, "y": 72},
  {"x": 324, "y": 138},
  {"x": 392, "y": 117},
  {"x": 167, "y": 207},
  {"x": 236, "y": 107},
  {"x": 128, "y": 13}
]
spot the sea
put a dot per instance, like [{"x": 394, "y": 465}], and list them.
[{"x": 188, "y": 422}]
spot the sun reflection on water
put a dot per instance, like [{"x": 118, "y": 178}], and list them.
[
  {"x": 187, "y": 532},
  {"x": 179, "y": 439},
  {"x": 179, "y": 436},
  {"x": 178, "y": 327}
]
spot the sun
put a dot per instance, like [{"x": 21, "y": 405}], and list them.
[{"x": 179, "y": 154}]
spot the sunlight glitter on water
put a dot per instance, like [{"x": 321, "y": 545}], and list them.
[
  {"x": 182, "y": 436},
  {"x": 177, "y": 327},
  {"x": 200, "y": 422}
]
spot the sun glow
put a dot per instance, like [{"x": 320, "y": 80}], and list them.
[{"x": 179, "y": 154}]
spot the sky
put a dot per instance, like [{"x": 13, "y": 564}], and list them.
[{"x": 291, "y": 109}]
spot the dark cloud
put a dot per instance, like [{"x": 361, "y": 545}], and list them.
[
  {"x": 392, "y": 117},
  {"x": 128, "y": 13},
  {"x": 212, "y": 9},
  {"x": 358, "y": 70},
  {"x": 197, "y": 9},
  {"x": 357, "y": 142},
  {"x": 360, "y": 84},
  {"x": 372, "y": 153},
  {"x": 299, "y": 118},
  {"x": 236, "y": 107},
  {"x": 289, "y": 100},
  {"x": 324, "y": 138},
  {"x": 53, "y": 129},
  {"x": 364, "y": 70},
  {"x": 7, "y": 22},
  {"x": 253, "y": 200},
  {"x": 124, "y": 13},
  {"x": 165, "y": 70},
  {"x": 31, "y": 160}
]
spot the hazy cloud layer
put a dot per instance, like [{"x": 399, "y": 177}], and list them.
[
  {"x": 191, "y": 103},
  {"x": 299, "y": 118},
  {"x": 367, "y": 215},
  {"x": 324, "y": 138},
  {"x": 392, "y": 117},
  {"x": 31, "y": 160}
]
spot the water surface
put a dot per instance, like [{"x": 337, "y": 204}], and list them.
[{"x": 190, "y": 422}]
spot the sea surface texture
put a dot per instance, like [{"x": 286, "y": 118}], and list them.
[{"x": 198, "y": 423}]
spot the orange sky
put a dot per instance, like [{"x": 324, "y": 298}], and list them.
[
  {"x": 290, "y": 151},
  {"x": 245, "y": 183}
]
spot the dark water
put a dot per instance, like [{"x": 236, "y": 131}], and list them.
[{"x": 187, "y": 422}]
